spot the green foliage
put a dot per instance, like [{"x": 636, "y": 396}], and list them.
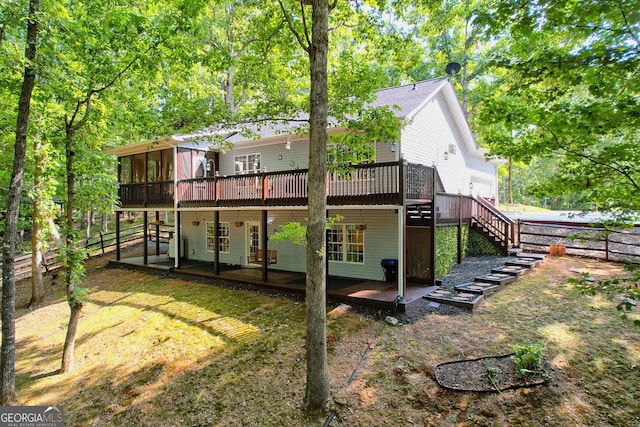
[
  {"x": 565, "y": 88},
  {"x": 77, "y": 297},
  {"x": 626, "y": 288},
  {"x": 528, "y": 358},
  {"x": 293, "y": 232},
  {"x": 492, "y": 373},
  {"x": 473, "y": 244},
  {"x": 447, "y": 249},
  {"x": 478, "y": 245},
  {"x": 296, "y": 233}
]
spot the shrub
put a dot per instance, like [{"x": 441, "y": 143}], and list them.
[{"x": 528, "y": 358}]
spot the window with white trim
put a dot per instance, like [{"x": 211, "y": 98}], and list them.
[
  {"x": 345, "y": 243},
  {"x": 224, "y": 240},
  {"x": 247, "y": 163}
]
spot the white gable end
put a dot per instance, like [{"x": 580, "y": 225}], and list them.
[{"x": 434, "y": 136}]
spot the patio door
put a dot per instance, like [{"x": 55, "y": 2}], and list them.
[{"x": 253, "y": 237}]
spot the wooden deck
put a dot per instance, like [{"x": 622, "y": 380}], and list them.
[{"x": 366, "y": 293}]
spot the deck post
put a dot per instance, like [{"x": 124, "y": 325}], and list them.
[
  {"x": 118, "y": 254},
  {"x": 434, "y": 224},
  {"x": 145, "y": 236},
  {"x": 178, "y": 240},
  {"x": 265, "y": 264},
  {"x": 402, "y": 236},
  {"x": 326, "y": 257},
  {"x": 157, "y": 233},
  {"x": 402, "y": 224},
  {"x": 216, "y": 238},
  {"x": 459, "y": 228}
]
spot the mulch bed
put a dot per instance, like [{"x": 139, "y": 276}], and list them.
[{"x": 490, "y": 373}]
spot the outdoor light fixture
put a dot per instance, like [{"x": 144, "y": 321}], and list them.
[
  {"x": 394, "y": 146},
  {"x": 446, "y": 155},
  {"x": 287, "y": 144},
  {"x": 470, "y": 187}
]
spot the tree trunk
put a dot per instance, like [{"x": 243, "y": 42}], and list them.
[
  {"x": 70, "y": 339},
  {"x": 8, "y": 356},
  {"x": 37, "y": 287},
  {"x": 69, "y": 263},
  {"x": 317, "y": 388},
  {"x": 105, "y": 223},
  {"x": 38, "y": 224}
]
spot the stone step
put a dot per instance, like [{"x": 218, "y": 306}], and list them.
[
  {"x": 513, "y": 270},
  {"x": 497, "y": 278},
  {"x": 524, "y": 262},
  {"x": 531, "y": 255},
  {"x": 459, "y": 299},
  {"x": 485, "y": 289}
]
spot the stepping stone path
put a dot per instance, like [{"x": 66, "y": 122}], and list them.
[
  {"x": 512, "y": 270},
  {"x": 524, "y": 262},
  {"x": 459, "y": 299},
  {"x": 469, "y": 295},
  {"x": 497, "y": 278},
  {"x": 485, "y": 289}
]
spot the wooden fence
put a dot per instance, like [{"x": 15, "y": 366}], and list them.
[
  {"x": 95, "y": 246},
  {"x": 582, "y": 240}
]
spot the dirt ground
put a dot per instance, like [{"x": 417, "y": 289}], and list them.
[{"x": 383, "y": 375}]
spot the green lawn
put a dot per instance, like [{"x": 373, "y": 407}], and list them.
[{"x": 157, "y": 351}]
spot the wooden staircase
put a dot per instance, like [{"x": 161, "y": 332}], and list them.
[{"x": 496, "y": 227}]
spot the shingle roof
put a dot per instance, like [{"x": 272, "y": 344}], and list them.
[
  {"x": 407, "y": 98},
  {"x": 403, "y": 100}
]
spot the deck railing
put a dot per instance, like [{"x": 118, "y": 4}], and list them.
[
  {"x": 377, "y": 183},
  {"x": 453, "y": 208}
]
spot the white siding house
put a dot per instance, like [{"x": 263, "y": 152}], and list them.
[{"x": 229, "y": 201}]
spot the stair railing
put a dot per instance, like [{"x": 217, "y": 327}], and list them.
[{"x": 494, "y": 221}]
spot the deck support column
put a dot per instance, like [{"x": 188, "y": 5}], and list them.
[
  {"x": 216, "y": 238},
  {"x": 434, "y": 224},
  {"x": 326, "y": 257},
  {"x": 118, "y": 254},
  {"x": 459, "y": 228},
  {"x": 178, "y": 241},
  {"x": 265, "y": 264},
  {"x": 402, "y": 248},
  {"x": 145, "y": 236},
  {"x": 157, "y": 233}
]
